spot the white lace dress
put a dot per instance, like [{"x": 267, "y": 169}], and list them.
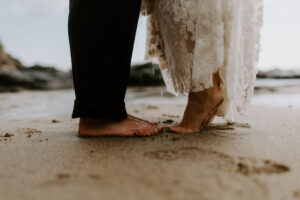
[{"x": 193, "y": 39}]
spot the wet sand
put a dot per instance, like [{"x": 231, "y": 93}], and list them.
[{"x": 42, "y": 157}]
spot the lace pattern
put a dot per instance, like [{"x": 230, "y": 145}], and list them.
[{"x": 193, "y": 39}]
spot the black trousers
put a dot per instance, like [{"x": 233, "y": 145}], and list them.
[{"x": 101, "y": 37}]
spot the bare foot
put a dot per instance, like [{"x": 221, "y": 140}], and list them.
[
  {"x": 106, "y": 127},
  {"x": 201, "y": 109},
  {"x": 142, "y": 120},
  {"x": 160, "y": 128}
]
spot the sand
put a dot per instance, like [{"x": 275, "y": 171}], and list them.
[{"x": 42, "y": 157}]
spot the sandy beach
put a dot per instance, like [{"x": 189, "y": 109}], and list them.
[{"x": 42, "y": 157}]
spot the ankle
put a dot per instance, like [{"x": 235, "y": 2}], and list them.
[{"x": 201, "y": 96}]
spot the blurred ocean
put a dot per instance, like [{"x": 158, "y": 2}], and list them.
[
  {"x": 28, "y": 104},
  {"x": 277, "y": 92},
  {"x": 268, "y": 92}
]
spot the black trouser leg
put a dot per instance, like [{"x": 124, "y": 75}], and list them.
[{"x": 101, "y": 37}]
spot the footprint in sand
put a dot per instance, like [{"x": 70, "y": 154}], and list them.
[
  {"x": 63, "y": 176},
  {"x": 172, "y": 154},
  {"x": 61, "y": 179},
  {"x": 6, "y": 135},
  {"x": 297, "y": 194},
  {"x": 94, "y": 176},
  {"x": 217, "y": 170},
  {"x": 252, "y": 166},
  {"x": 244, "y": 166},
  {"x": 151, "y": 107},
  {"x": 55, "y": 121},
  {"x": 30, "y": 131}
]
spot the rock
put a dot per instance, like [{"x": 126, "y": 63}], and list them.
[
  {"x": 54, "y": 121},
  {"x": 147, "y": 74},
  {"x": 7, "y": 135},
  {"x": 14, "y": 76},
  {"x": 279, "y": 74},
  {"x": 35, "y": 78},
  {"x": 7, "y": 63}
]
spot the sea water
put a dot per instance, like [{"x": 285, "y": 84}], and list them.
[{"x": 269, "y": 92}]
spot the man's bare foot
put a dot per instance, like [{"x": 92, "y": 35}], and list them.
[
  {"x": 89, "y": 127},
  {"x": 201, "y": 109},
  {"x": 160, "y": 128},
  {"x": 142, "y": 120}
]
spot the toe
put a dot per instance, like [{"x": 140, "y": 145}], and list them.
[
  {"x": 139, "y": 132},
  {"x": 156, "y": 130},
  {"x": 142, "y": 120},
  {"x": 153, "y": 130},
  {"x": 160, "y": 129},
  {"x": 148, "y": 131},
  {"x": 128, "y": 133},
  {"x": 143, "y": 131}
]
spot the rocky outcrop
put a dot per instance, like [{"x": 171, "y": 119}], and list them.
[
  {"x": 14, "y": 76},
  {"x": 279, "y": 74},
  {"x": 8, "y": 63},
  {"x": 35, "y": 78},
  {"x": 147, "y": 74}
]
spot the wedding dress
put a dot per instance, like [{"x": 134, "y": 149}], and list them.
[{"x": 193, "y": 39}]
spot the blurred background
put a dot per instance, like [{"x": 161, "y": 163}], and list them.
[
  {"x": 33, "y": 36},
  {"x": 256, "y": 158},
  {"x": 35, "y": 31}
]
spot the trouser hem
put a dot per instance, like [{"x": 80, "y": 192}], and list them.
[{"x": 86, "y": 110}]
